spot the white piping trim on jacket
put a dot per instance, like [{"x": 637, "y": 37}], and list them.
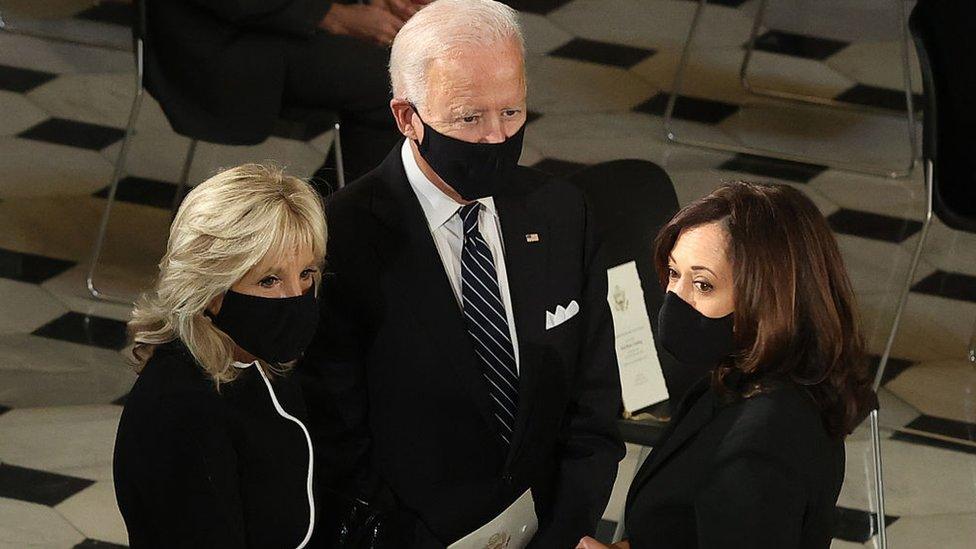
[{"x": 308, "y": 439}]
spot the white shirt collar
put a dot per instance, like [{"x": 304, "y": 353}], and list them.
[{"x": 438, "y": 207}]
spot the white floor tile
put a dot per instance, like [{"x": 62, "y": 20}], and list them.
[
  {"x": 37, "y": 371},
  {"x": 18, "y": 113},
  {"x": 944, "y": 388},
  {"x": 98, "y": 98},
  {"x": 61, "y": 439},
  {"x": 876, "y": 266},
  {"x": 541, "y": 35},
  {"x": 568, "y": 86},
  {"x": 878, "y": 64},
  {"x": 660, "y": 24},
  {"x": 904, "y": 197},
  {"x": 25, "y": 524},
  {"x": 94, "y": 512},
  {"x": 919, "y": 480},
  {"x": 59, "y": 57},
  {"x": 836, "y": 19},
  {"x": 26, "y": 307},
  {"x": 933, "y": 532},
  {"x": 64, "y": 171}
]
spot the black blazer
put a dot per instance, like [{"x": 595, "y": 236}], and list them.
[
  {"x": 217, "y": 67},
  {"x": 760, "y": 472},
  {"x": 396, "y": 395},
  {"x": 198, "y": 468}
]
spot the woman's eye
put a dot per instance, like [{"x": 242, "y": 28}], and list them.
[
  {"x": 268, "y": 281},
  {"x": 307, "y": 273},
  {"x": 672, "y": 274},
  {"x": 703, "y": 286}
]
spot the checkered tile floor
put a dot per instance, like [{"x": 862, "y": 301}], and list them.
[{"x": 599, "y": 73}]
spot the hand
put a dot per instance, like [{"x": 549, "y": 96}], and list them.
[
  {"x": 590, "y": 543},
  {"x": 404, "y": 9},
  {"x": 370, "y": 23}
]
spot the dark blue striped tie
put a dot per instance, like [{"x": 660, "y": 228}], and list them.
[{"x": 484, "y": 313}]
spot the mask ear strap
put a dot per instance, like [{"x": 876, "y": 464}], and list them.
[{"x": 417, "y": 112}]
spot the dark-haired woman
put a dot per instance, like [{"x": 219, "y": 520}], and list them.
[{"x": 759, "y": 309}]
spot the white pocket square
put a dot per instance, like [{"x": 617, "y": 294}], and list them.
[{"x": 561, "y": 315}]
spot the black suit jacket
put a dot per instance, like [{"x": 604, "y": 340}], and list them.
[
  {"x": 217, "y": 67},
  {"x": 755, "y": 473},
  {"x": 195, "y": 467},
  {"x": 397, "y": 398}
]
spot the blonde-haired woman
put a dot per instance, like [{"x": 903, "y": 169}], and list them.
[{"x": 212, "y": 450}]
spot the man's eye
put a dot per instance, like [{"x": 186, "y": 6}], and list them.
[
  {"x": 511, "y": 113},
  {"x": 469, "y": 119}
]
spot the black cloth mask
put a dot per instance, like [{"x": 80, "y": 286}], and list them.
[
  {"x": 696, "y": 344},
  {"x": 275, "y": 330},
  {"x": 474, "y": 170}
]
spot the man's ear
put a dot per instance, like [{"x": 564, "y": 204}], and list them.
[{"x": 406, "y": 119}]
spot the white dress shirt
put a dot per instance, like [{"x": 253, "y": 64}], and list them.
[{"x": 447, "y": 229}]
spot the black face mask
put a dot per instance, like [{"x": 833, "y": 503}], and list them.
[
  {"x": 474, "y": 170},
  {"x": 695, "y": 342},
  {"x": 275, "y": 330}
]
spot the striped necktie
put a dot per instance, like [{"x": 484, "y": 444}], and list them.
[{"x": 484, "y": 314}]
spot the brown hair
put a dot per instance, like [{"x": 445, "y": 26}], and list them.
[{"x": 794, "y": 305}]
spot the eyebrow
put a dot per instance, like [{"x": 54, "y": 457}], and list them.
[{"x": 694, "y": 267}]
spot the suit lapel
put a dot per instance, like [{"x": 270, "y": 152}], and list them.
[
  {"x": 414, "y": 267},
  {"x": 697, "y": 410},
  {"x": 526, "y": 259}
]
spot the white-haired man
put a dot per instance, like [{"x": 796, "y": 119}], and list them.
[{"x": 464, "y": 354}]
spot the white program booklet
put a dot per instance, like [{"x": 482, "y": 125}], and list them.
[
  {"x": 641, "y": 378},
  {"x": 512, "y": 529}
]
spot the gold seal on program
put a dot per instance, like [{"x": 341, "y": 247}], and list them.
[{"x": 498, "y": 541}]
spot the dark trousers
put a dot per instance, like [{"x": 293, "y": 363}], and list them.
[{"x": 348, "y": 76}]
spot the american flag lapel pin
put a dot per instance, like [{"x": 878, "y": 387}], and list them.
[{"x": 532, "y": 237}]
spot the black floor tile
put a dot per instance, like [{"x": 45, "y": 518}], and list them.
[
  {"x": 882, "y": 98},
  {"x": 121, "y": 400},
  {"x": 95, "y": 544},
  {"x": 15, "y": 79},
  {"x": 116, "y": 13},
  {"x": 541, "y": 7},
  {"x": 38, "y": 487},
  {"x": 946, "y": 427},
  {"x": 872, "y": 225},
  {"x": 857, "y": 526},
  {"x": 72, "y": 133},
  {"x": 798, "y": 45},
  {"x": 532, "y": 116},
  {"x": 140, "y": 190},
  {"x": 705, "y": 111},
  {"x": 893, "y": 369},
  {"x": 85, "y": 329},
  {"x": 4, "y": 409},
  {"x": 553, "y": 166},
  {"x": 797, "y": 172},
  {"x": 29, "y": 267},
  {"x": 912, "y": 438},
  {"x": 951, "y": 285},
  {"x": 604, "y": 53}
]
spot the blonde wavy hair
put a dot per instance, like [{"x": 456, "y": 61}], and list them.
[{"x": 225, "y": 226}]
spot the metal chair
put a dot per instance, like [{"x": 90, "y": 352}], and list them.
[
  {"x": 139, "y": 34},
  {"x": 672, "y": 135}
]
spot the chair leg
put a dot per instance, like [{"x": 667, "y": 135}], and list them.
[
  {"x": 679, "y": 73},
  {"x": 184, "y": 176},
  {"x": 972, "y": 345},
  {"x": 751, "y": 45},
  {"x": 878, "y": 481},
  {"x": 113, "y": 188},
  {"x": 903, "y": 297},
  {"x": 906, "y": 67},
  {"x": 340, "y": 167}
]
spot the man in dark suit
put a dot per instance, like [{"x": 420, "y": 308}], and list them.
[
  {"x": 465, "y": 353},
  {"x": 224, "y": 69}
]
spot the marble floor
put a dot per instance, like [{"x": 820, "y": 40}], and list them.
[{"x": 599, "y": 73}]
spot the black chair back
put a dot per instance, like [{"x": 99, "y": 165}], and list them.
[
  {"x": 944, "y": 32},
  {"x": 630, "y": 200}
]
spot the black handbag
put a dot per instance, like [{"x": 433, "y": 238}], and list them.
[{"x": 358, "y": 524}]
